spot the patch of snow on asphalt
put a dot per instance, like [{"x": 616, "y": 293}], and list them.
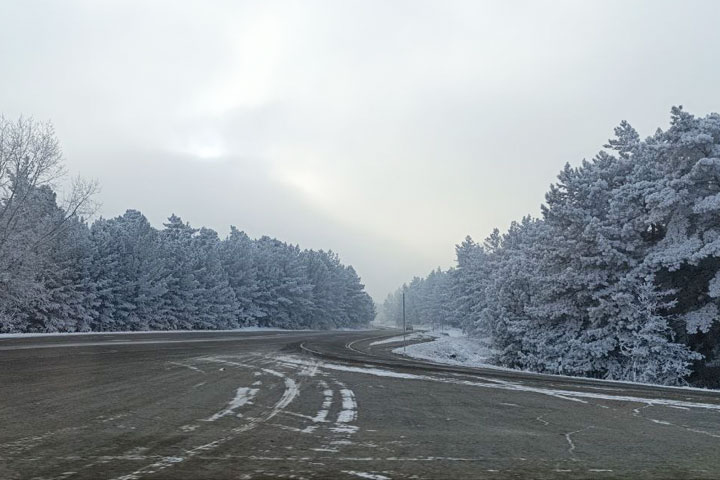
[
  {"x": 347, "y": 368},
  {"x": 368, "y": 476},
  {"x": 322, "y": 414},
  {"x": 349, "y": 411},
  {"x": 242, "y": 397},
  {"x": 571, "y": 395}
]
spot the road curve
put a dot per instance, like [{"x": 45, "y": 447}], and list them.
[{"x": 326, "y": 405}]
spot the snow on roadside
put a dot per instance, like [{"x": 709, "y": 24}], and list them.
[
  {"x": 401, "y": 338},
  {"x": 454, "y": 348},
  {"x": 451, "y": 348},
  {"x": 581, "y": 396}
]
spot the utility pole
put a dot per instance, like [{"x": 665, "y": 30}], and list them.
[{"x": 404, "y": 328}]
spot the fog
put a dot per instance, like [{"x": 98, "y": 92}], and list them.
[{"x": 385, "y": 131}]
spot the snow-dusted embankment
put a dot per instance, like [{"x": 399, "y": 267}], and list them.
[
  {"x": 455, "y": 348},
  {"x": 450, "y": 347}
]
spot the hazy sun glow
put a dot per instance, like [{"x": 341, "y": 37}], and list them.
[{"x": 309, "y": 183}]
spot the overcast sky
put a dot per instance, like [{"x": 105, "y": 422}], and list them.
[{"x": 383, "y": 130}]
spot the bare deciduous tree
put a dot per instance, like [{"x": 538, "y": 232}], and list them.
[
  {"x": 31, "y": 166},
  {"x": 30, "y": 157}
]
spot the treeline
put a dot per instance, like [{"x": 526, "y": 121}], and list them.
[
  {"x": 60, "y": 274},
  {"x": 429, "y": 302},
  {"x": 618, "y": 279}
]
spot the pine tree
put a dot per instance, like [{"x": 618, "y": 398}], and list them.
[
  {"x": 214, "y": 299},
  {"x": 129, "y": 274}
]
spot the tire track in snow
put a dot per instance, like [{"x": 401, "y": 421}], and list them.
[
  {"x": 342, "y": 428},
  {"x": 292, "y": 389},
  {"x": 328, "y": 395},
  {"x": 367, "y": 475},
  {"x": 578, "y": 396},
  {"x": 349, "y": 412},
  {"x": 289, "y": 394},
  {"x": 243, "y": 396}
]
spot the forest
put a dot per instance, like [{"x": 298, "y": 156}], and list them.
[
  {"x": 61, "y": 273},
  {"x": 619, "y": 277}
]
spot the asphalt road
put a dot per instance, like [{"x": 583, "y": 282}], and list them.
[{"x": 326, "y": 405}]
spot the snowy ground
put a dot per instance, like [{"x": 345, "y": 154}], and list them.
[
  {"x": 451, "y": 347},
  {"x": 409, "y": 336}
]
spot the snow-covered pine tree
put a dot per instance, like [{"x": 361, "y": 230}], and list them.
[
  {"x": 52, "y": 267},
  {"x": 683, "y": 203},
  {"x": 129, "y": 274},
  {"x": 238, "y": 254},
  {"x": 214, "y": 298},
  {"x": 621, "y": 276},
  {"x": 468, "y": 284},
  {"x": 179, "y": 303}
]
